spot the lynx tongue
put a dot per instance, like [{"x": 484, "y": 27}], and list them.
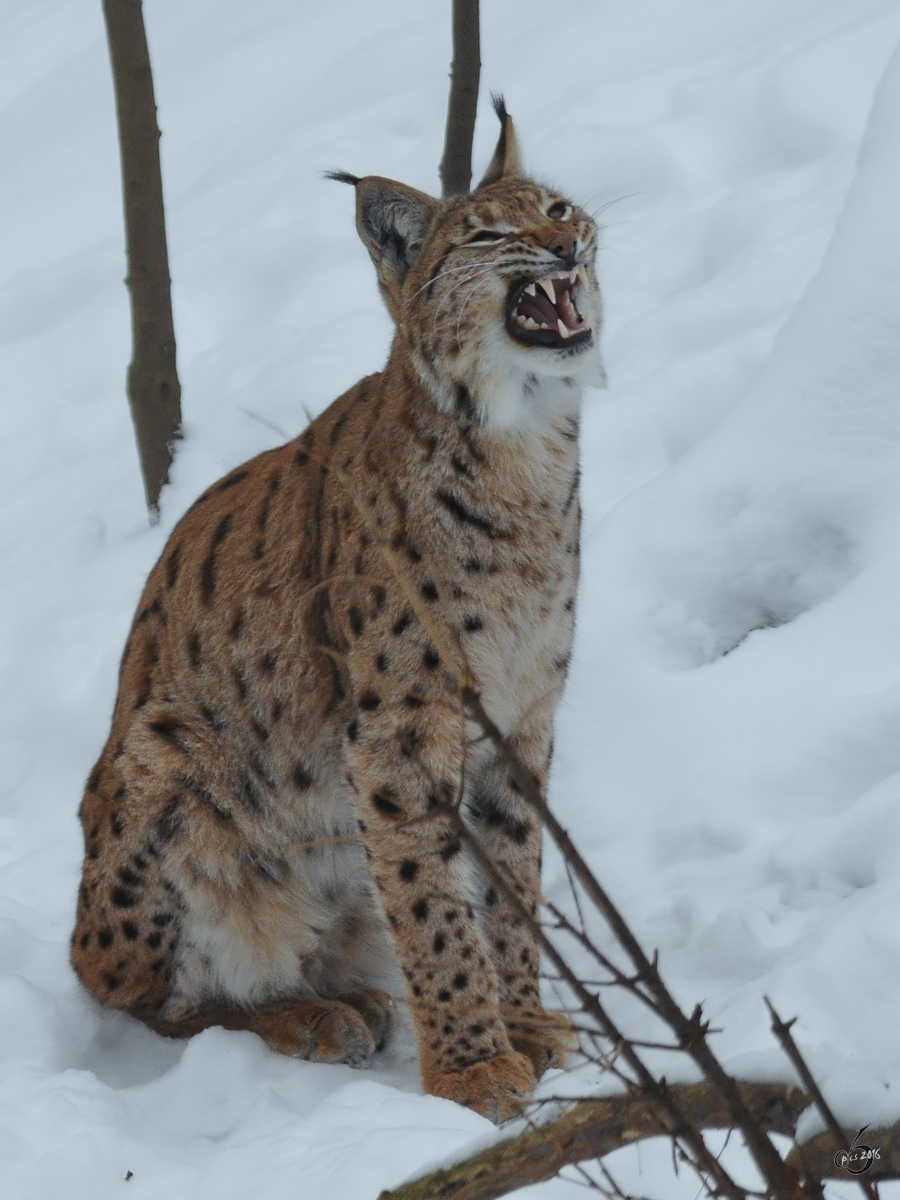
[{"x": 538, "y": 308}]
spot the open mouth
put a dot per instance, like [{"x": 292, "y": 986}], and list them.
[{"x": 544, "y": 312}]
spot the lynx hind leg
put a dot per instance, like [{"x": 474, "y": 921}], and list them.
[
  {"x": 133, "y": 945},
  {"x": 327, "y": 1031},
  {"x": 129, "y": 914}
]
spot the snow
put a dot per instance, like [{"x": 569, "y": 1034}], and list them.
[{"x": 729, "y": 745}]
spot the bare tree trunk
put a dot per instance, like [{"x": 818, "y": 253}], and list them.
[
  {"x": 154, "y": 392},
  {"x": 456, "y": 165}
]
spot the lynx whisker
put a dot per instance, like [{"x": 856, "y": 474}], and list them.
[{"x": 448, "y": 271}]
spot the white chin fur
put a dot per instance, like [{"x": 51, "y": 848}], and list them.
[
  {"x": 585, "y": 366},
  {"x": 517, "y": 386},
  {"x": 515, "y": 399},
  {"x": 521, "y": 387}
]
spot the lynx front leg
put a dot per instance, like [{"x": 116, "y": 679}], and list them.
[
  {"x": 401, "y": 773},
  {"x": 510, "y": 833}
]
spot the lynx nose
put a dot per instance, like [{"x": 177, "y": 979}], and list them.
[{"x": 565, "y": 246}]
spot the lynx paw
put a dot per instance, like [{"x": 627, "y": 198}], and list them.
[
  {"x": 325, "y": 1031},
  {"x": 546, "y": 1039},
  {"x": 378, "y": 1011},
  {"x": 498, "y": 1087}
]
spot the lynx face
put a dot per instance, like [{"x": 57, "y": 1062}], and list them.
[
  {"x": 513, "y": 262},
  {"x": 264, "y": 848},
  {"x": 511, "y": 293},
  {"x": 495, "y": 290}
]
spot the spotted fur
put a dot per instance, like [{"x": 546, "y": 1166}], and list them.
[{"x": 259, "y": 852}]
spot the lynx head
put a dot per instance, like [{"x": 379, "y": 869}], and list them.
[{"x": 492, "y": 292}]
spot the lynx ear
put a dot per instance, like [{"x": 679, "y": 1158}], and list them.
[
  {"x": 506, "y": 159},
  {"x": 393, "y": 221}
]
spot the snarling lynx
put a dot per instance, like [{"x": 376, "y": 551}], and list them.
[{"x": 259, "y": 850}]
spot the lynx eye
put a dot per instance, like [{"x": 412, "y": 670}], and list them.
[
  {"x": 485, "y": 235},
  {"x": 560, "y": 211}
]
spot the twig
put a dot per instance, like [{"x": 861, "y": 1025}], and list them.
[
  {"x": 575, "y": 897},
  {"x": 628, "y": 982},
  {"x": 782, "y": 1030},
  {"x": 339, "y": 839},
  {"x": 264, "y": 421}
]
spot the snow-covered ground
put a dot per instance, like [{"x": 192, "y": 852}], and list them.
[{"x": 729, "y": 746}]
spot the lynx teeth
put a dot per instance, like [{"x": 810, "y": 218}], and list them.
[{"x": 547, "y": 286}]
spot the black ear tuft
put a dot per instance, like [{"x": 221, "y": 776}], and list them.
[
  {"x": 506, "y": 160},
  {"x": 341, "y": 177}
]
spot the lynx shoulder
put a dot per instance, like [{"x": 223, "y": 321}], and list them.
[{"x": 261, "y": 845}]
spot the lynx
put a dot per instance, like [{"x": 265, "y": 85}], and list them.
[{"x": 262, "y": 850}]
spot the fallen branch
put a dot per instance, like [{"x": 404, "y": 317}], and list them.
[
  {"x": 815, "y": 1159},
  {"x": 592, "y": 1128}
]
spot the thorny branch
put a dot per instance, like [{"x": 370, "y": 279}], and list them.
[
  {"x": 455, "y": 662},
  {"x": 782, "y": 1030},
  {"x": 655, "y": 1091},
  {"x": 649, "y": 1106},
  {"x": 690, "y": 1031}
]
